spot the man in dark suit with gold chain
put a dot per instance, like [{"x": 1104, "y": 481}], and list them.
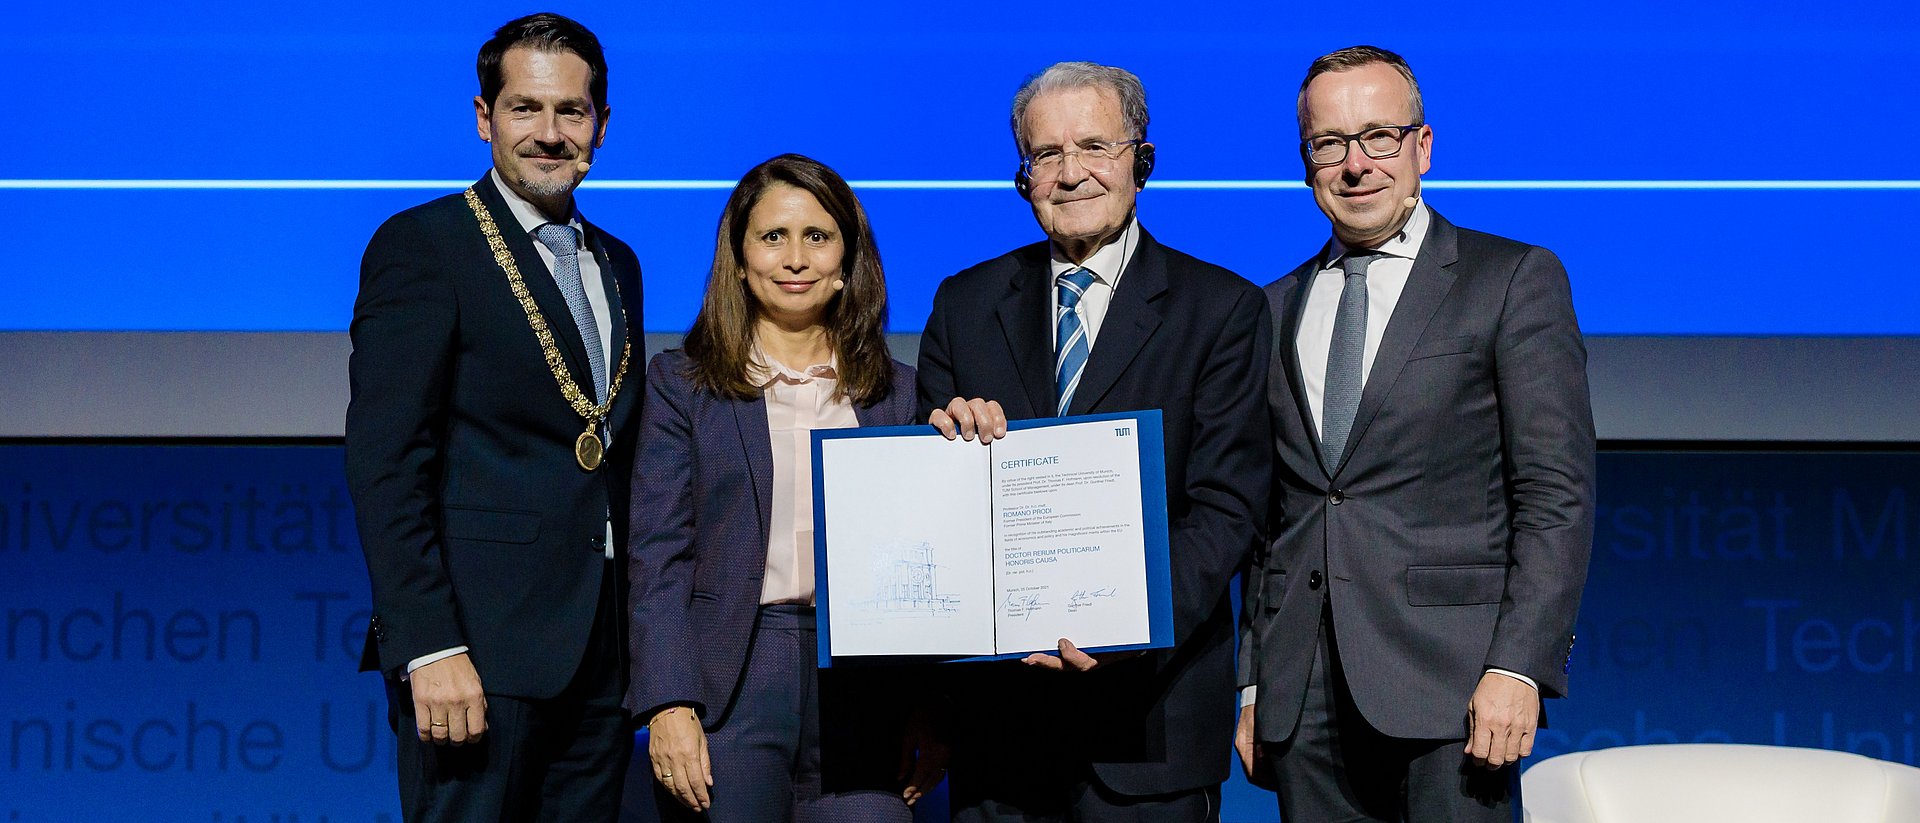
[
  {"x": 1433, "y": 493},
  {"x": 488, "y": 452}
]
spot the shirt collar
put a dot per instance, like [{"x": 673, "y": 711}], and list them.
[
  {"x": 1108, "y": 263},
  {"x": 763, "y": 370},
  {"x": 527, "y": 214},
  {"x": 1404, "y": 243}
]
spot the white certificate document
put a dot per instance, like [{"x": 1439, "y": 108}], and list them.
[
  {"x": 1068, "y": 528},
  {"x": 950, "y": 549},
  {"x": 910, "y": 567}
]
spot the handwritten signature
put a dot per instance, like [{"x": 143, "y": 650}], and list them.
[
  {"x": 1083, "y": 597},
  {"x": 1023, "y": 605}
]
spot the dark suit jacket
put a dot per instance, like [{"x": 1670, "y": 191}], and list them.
[
  {"x": 479, "y": 527},
  {"x": 1188, "y": 338},
  {"x": 702, "y": 504},
  {"x": 1454, "y": 537}
]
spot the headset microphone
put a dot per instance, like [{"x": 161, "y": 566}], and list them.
[
  {"x": 1410, "y": 202},
  {"x": 582, "y": 166}
]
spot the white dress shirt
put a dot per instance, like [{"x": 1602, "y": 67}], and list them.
[
  {"x": 528, "y": 216},
  {"x": 1106, "y": 265},
  {"x": 1386, "y": 279},
  {"x": 530, "y": 219}
]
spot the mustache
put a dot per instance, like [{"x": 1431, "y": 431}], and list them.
[{"x": 536, "y": 153}]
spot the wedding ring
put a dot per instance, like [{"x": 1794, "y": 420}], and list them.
[
  {"x": 436, "y": 723},
  {"x": 666, "y": 775}
]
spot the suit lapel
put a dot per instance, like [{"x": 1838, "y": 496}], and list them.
[
  {"x": 619, "y": 285},
  {"x": 539, "y": 280},
  {"x": 750, "y": 419},
  {"x": 1023, "y": 314},
  {"x": 616, "y": 302},
  {"x": 879, "y": 413},
  {"x": 1293, "y": 303},
  {"x": 616, "y": 291},
  {"x": 1427, "y": 286},
  {"x": 1130, "y": 321}
]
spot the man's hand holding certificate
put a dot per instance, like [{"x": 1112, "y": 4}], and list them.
[{"x": 930, "y": 547}]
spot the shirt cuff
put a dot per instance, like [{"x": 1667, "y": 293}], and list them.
[
  {"x": 1517, "y": 676},
  {"x": 436, "y": 657},
  {"x": 1248, "y": 694}
]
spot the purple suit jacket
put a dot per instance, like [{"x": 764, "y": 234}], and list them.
[{"x": 702, "y": 498}]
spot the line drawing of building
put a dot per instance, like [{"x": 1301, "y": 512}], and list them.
[{"x": 909, "y": 582}]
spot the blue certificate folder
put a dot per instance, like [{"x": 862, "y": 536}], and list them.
[{"x": 898, "y": 491}]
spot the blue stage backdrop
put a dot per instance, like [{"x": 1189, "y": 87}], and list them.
[
  {"x": 1750, "y": 598},
  {"x": 201, "y": 166},
  {"x": 180, "y": 625}
]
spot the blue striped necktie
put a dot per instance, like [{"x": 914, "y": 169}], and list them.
[
  {"x": 1346, "y": 359},
  {"x": 1070, "y": 347},
  {"x": 565, "y": 245}
]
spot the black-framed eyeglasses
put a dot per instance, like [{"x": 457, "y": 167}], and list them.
[
  {"x": 1094, "y": 156},
  {"x": 1379, "y": 142}
]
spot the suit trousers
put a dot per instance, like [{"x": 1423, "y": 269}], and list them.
[
  {"x": 1337, "y": 768},
  {"x": 767, "y": 752},
  {"x": 559, "y": 759},
  {"x": 1086, "y": 801},
  {"x": 1015, "y": 759}
]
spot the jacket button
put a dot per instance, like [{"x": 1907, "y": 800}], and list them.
[
  {"x": 1337, "y": 497},
  {"x": 1314, "y": 579}
]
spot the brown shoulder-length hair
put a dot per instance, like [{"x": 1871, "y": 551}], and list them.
[{"x": 720, "y": 345}]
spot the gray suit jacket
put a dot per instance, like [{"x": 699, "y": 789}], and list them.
[{"x": 1454, "y": 536}]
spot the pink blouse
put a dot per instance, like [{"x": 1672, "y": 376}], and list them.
[{"x": 797, "y": 402}]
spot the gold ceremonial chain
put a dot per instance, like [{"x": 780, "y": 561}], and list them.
[{"x": 587, "y": 448}]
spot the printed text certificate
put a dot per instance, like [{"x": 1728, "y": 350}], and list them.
[{"x": 944, "y": 548}]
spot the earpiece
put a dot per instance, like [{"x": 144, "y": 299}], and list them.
[{"x": 1142, "y": 164}]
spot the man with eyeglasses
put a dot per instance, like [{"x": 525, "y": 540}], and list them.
[
  {"x": 1101, "y": 317},
  {"x": 1433, "y": 494}
]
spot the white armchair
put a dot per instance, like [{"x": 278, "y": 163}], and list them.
[{"x": 1714, "y": 782}]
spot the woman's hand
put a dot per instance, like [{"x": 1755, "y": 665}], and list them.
[{"x": 678, "y": 747}]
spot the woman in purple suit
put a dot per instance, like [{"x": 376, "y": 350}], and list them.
[{"x": 790, "y": 337}]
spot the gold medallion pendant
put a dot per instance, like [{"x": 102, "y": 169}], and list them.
[{"x": 587, "y": 450}]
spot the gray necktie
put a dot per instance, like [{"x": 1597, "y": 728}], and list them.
[
  {"x": 565, "y": 246},
  {"x": 1346, "y": 358}
]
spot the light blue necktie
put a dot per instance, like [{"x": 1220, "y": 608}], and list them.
[
  {"x": 1346, "y": 358},
  {"x": 565, "y": 245},
  {"x": 1070, "y": 347}
]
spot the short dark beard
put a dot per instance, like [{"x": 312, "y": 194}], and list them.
[{"x": 545, "y": 188}]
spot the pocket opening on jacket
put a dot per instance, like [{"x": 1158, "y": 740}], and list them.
[
  {"x": 492, "y": 525},
  {"x": 1456, "y": 585}
]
